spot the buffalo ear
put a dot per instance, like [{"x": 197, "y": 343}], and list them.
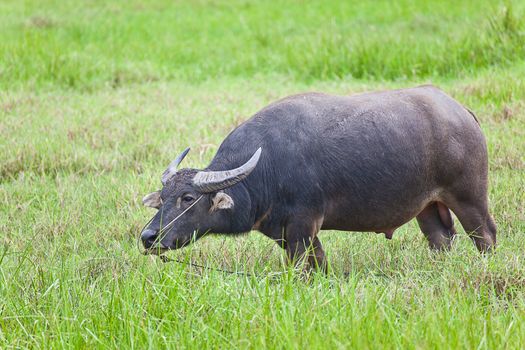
[
  {"x": 152, "y": 200},
  {"x": 221, "y": 201}
]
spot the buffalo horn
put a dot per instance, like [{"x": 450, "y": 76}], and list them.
[
  {"x": 172, "y": 168},
  {"x": 211, "y": 181}
]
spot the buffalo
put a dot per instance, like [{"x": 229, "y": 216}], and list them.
[{"x": 310, "y": 162}]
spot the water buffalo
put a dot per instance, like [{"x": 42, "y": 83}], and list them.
[{"x": 311, "y": 162}]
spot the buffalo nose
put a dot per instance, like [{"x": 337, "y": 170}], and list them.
[{"x": 148, "y": 238}]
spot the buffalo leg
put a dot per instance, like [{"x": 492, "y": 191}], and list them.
[
  {"x": 478, "y": 223},
  {"x": 436, "y": 223},
  {"x": 318, "y": 259},
  {"x": 303, "y": 246}
]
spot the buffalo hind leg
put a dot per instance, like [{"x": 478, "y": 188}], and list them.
[
  {"x": 303, "y": 246},
  {"x": 436, "y": 223},
  {"x": 478, "y": 223}
]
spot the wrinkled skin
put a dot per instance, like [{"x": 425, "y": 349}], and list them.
[{"x": 369, "y": 162}]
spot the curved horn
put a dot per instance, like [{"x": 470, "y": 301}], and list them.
[
  {"x": 211, "y": 181},
  {"x": 172, "y": 168}
]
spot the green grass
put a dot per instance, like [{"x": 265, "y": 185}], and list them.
[
  {"x": 90, "y": 45},
  {"x": 97, "y": 97}
]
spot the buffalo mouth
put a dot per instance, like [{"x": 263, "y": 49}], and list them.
[
  {"x": 160, "y": 249},
  {"x": 156, "y": 250}
]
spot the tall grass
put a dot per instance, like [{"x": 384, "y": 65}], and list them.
[{"x": 115, "y": 43}]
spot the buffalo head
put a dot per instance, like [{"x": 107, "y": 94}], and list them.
[{"x": 190, "y": 204}]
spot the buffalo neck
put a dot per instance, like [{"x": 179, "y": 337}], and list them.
[
  {"x": 242, "y": 215},
  {"x": 249, "y": 196}
]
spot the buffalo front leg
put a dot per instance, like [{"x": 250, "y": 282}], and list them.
[{"x": 303, "y": 247}]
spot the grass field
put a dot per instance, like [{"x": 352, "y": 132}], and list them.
[{"x": 97, "y": 97}]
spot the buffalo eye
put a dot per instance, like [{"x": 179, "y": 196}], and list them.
[{"x": 187, "y": 198}]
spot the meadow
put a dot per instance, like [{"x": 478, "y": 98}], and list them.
[{"x": 97, "y": 97}]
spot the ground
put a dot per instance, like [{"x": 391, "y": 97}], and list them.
[{"x": 96, "y": 98}]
